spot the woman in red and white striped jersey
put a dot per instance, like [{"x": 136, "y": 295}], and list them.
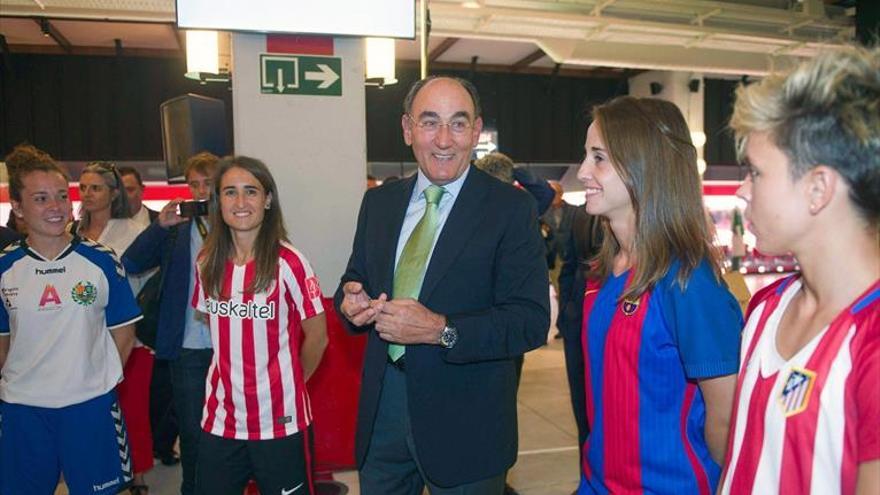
[
  {"x": 807, "y": 405},
  {"x": 263, "y": 304}
]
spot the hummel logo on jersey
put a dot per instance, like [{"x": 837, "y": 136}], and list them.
[
  {"x": 242, "y": 310},
  {"x": 49, "y": 271},
  {"x": 106, "y": 485},
  {"x": 288, "y": 492},
  {"x": 795, "y": 394}
]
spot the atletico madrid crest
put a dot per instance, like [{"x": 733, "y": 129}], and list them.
[{"x": 795, "y": 394}]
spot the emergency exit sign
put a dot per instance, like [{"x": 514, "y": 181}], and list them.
[{"x": 300, "y": 75}]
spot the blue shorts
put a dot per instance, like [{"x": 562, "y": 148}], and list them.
[{"x": 86, "y": 441}]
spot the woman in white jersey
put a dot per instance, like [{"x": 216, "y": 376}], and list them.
[
  {"x": 807, "y": 407},
  {"x": 66, "y": 328},
  {"x": 268, "y": 330},
  {"x": 105, "y": 217}
]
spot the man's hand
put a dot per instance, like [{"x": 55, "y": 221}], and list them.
[
  {"x": 357, "y": 306},
  {"x": 168, "y": 217},
  {"x": 406, "y": 321}
]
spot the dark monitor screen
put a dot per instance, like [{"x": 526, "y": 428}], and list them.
[{"x": 191, "y": 124}]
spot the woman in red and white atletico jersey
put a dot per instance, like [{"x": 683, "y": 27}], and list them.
[
  {"x": 268, "y": 330},
  {"x": 807, "y": 406}
]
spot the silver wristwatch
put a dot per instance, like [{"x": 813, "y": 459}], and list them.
[{"x": 448, "y": 336}]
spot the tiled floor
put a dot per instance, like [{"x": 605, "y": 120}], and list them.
[{"x": 548, "y": 452}]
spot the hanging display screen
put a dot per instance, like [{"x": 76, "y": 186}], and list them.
[{"x": 376, "y": 18}]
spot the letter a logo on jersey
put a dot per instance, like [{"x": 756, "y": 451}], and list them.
[{"x": 50, "y": 295}]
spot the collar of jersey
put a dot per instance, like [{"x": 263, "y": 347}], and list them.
[{"x": 69, "y": 249}]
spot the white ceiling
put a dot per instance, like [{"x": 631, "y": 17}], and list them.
[{"x": 719, "y": 37}]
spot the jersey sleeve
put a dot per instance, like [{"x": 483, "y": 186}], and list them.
[
  {"x": 706, "y": 322},
  {"x": 302, "y": 282},
  {"x": 122, "y": 308},
  {"x": 198, "y": 295},
  {"x": 4, "y": 315},
  {"x": 866, "y": 364},
  {"x": 6, "y": 261}
]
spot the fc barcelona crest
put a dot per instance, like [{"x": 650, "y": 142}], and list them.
[
  {"x": 629, "y": 306},
  {"x": 795, "y": 394}
]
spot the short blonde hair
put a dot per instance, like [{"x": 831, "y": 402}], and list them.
[
  {"x": 826, "y": 111},
  {"x": 204, "y": 163}
]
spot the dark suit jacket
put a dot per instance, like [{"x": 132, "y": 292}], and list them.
[
  {"x": 8, "y": 236},
  {"x": 583, "y": 244},
  {"x": 168, "y": 248},
  {"x": 558, "y": 242},
  {"x": 488, "y": 276}
]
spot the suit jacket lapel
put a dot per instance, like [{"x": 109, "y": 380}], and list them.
[
  {"x": 463, "y": 220},
  {"x": 395, "y": 204}
]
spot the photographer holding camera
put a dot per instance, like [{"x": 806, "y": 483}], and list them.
[{"x": 173, "y": 241}]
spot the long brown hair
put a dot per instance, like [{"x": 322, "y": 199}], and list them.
[
  {"x": 218, "y": 247},
  {"x": 650, "y": 147}
]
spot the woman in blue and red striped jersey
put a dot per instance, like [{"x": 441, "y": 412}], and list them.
[
  {"x": 268, "y": 331},
  {"x": 661, "y": 331}
]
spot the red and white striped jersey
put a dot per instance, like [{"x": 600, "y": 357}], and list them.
[
  {"x": 255, "y": 388},
  {"x": 804, "y": 425}
]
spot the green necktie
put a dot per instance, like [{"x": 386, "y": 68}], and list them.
[{"x": 413, "y": 260}]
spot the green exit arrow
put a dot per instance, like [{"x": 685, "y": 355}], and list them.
[{"x": 300, "y": 75}]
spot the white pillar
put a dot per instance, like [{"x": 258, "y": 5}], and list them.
[
  {"x": 315, "y": 147},
  {"x": 675, "y": 89}
]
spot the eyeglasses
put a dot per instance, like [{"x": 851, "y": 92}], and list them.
[{"x": 428, "y": 125}]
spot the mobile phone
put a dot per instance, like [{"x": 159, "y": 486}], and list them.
[{"x": 192, "y": 208}]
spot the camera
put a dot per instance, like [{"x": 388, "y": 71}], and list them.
[{"x": 192, "y": 208}]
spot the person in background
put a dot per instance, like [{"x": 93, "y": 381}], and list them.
[
  {"x": 163, "y": 421},
  {"x": 501, "y": 167},
  {"x": 661, "y": 331},
  {"x": 807, "y": 409},
  {"x": 105, "y": 218},
  {"x": 182, "y": 338},
  {"x": 264, "y": 308},
  {"x": 556, "y": 227},
  {"x": 372, "y": 182},
  {"x": 8, "y": 236},
  {"x": 66, "y": 329},
  {"x": 558, "y": 218},
  {"x": 583, "y": 244},
  {"x": 134, "y": 189}
]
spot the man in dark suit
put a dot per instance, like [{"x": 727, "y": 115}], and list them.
[
  {"x": 447, "y": 270},
  {"x": 583, "y": 243}
]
